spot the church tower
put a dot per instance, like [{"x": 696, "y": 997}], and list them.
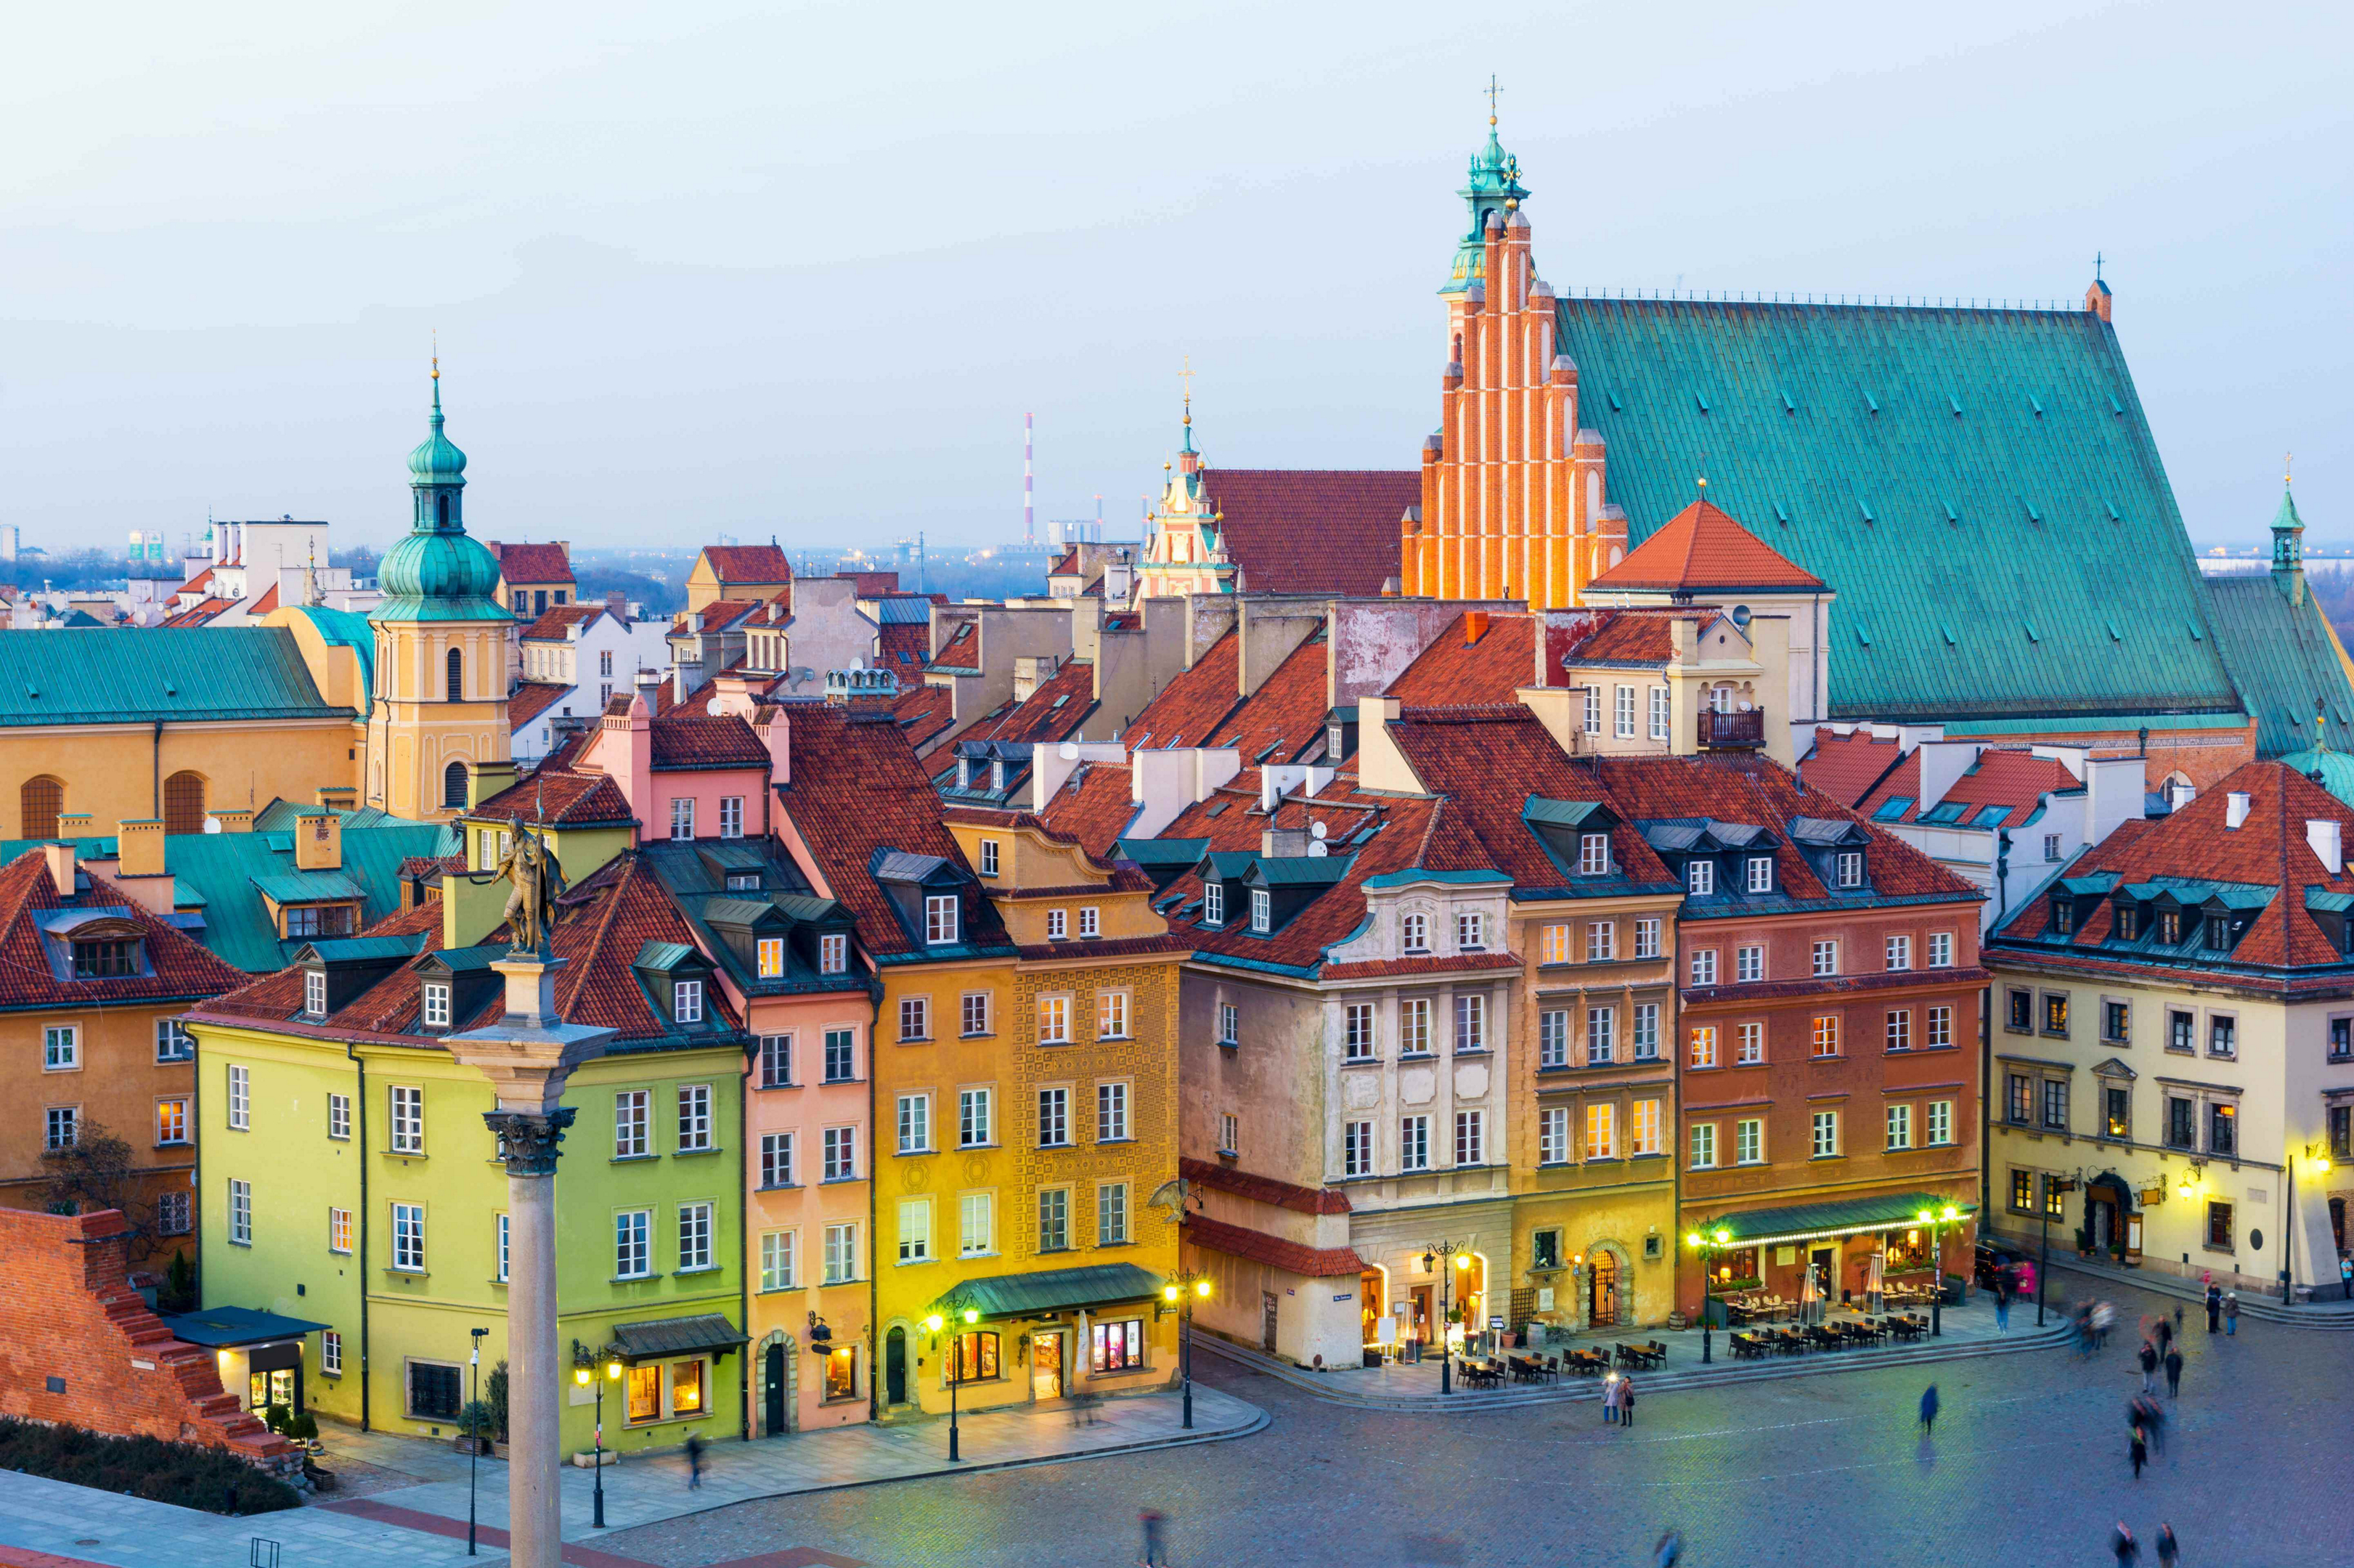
[
  {"x": 440, "y": 707},
  {"x": 1512, "y": 488},
  {"x": 1185, "y": 551}
]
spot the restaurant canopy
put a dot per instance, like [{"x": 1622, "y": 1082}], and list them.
[
  {"x": 677, "y": 1335},
  {"x": 227, "y": 1327},
  {"x": 1058, "y": 1289},
  {"x": 1823, "y": 1221}
]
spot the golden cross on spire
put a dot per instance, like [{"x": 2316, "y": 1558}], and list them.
[
  {"x": 1492, "y": 91},
  {"x": 2288, "y": 467},
  {"x": 1185, "y": 379},
  {"x": 437, "y": 353}
]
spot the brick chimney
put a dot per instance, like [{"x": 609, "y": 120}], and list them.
[
  {"x": 139, "y": 848},
  {"x": 318, "y": 842},
  {"x": 60, "y": 859}
]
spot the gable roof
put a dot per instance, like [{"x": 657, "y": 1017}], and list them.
[
  {"x": 1284, "y": 717},
  {"x": 688, "y": 742},
  {"x": 1312, "y": 530},
  {"x": 1846, "y": 766},
  {"x": 1472, "y": 663},
  {"x": 554, "y": 797},
  {"x": 924, "y": 712},
  {"x": 1054, "y": 710},
  {"x": 531, "y": 699},
  {"x": 2061, "y": 576},
  {"x": 175, "y": 966},
  {"x": 554, "y": 623},
  {"x": 1703, "y": 549},
  {"x": 748, "y": 563},
  {"x": 1194, "y": 701},
  {"x": 2006, "y": 779},
  {"x": 2283, "y": 657},
  {"x": 210, "y": 672},
  {"x": 1094, "y": 807},
  {"x": 531, "y": 563}
]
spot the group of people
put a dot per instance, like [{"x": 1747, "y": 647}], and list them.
[
  {"x": 2091, "y": 1321},
  {"x": 1617, "y": 1400},
  {"x": 2129, "y": 1549},
  {"x": 2011, "y": 1281}
]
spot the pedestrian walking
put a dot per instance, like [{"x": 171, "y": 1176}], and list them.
[
  {"x": 694, "y": 1463},
  {"x": 2173, "y": 1372},
  {"x": 2002, "y": 1303},
  {"x": 2178, "y": 1318},
  {"x": 2147, "y": 1356},
  {"x": 1669, "y": 1551},
  {"x": 2105, "y": 1318},
  {"x": 1625, "y": 1402},
  {"x": 2123, "y": 1543},
  {"x": 2139, "y": 1451},
  {"x": 2168, "y": 1549},
  {"x": 1155, "y": 1555},
  {"x": 2166, "y": 1328},
  {"x": 1929, "y": 1411},
  {"x": 2150, "y": 1418},
  {"x": 2231, "y": 1313},
  {"x": 2214, "y": 1305}
]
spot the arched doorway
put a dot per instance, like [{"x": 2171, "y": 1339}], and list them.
[
  {"x": 37, "y": 805},
  {"x": 1603, "y": 1289},
  {"x": 894, "y": 1366},
  {"x": 454, "y": 783},
  {"x": 2112, "y": 1216},
  {"x": 774, "y": 1395},
  {"x": 779, "y": 1378},
  {"x": 184, "y": 803}
]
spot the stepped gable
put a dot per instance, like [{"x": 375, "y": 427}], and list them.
[{"x": 1979, "y": 486}]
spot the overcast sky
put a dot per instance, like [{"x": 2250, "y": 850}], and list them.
[{"x": 710, "y": 267}]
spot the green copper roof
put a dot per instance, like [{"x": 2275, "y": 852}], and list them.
[
  {"x": 436, "y": 459},
  {"x": 2333, "y": 770},
  {"x": 1979, "y": 486},
  {"x": 347, "y": 629},
  {"x": 437, "y": 572},
  {"x": 228, "y": 872},
  {"x": 2283, "y": 658},
  {"x": 110, "y": 676},
  {"x": 1842, "y": 1216},
  {"x": 1493, "y": 186}
]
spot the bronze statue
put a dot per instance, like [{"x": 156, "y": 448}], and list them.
[{"x": 538, "y": 881}]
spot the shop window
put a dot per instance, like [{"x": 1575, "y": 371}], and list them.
[
  {"x": 1117, "y": 1346},
  {"x": 686, "y": 1388},
  {"x": 842, "y": 1373},
  {"x": 2219, "y": 1227},
  {"x": 433, "y": 1390},
  {"x": 972, "y": 1357},
  {"x": 645, "y": 1392}
]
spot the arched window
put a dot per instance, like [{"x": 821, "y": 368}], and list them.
[
  {"x": 453, "y": 784},
  {"x": 184, "y": 804},
  {"x": 457, "y": 676},
  {"x": 442, "y": 511},
  {"x": 38, "y": 803}
]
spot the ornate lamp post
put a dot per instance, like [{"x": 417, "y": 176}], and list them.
[
  {"x": 473, "y": 1431},
  {"x": 1436, "y": 1257},
  {"x": 529, "y": 1055},
  {"x": 1178, "y": 1296},
  {"x": 952, "y": 1309},
  {"x": 1936, "y": 1218},
  {"x": 585, "y": 1370},
  {"x": 1705, "y": 1245}
]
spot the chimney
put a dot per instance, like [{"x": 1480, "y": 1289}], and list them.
[
  {"x": 1475, "y": 627},
  {"x": 2235, "y": 809},
  {"x": 2328, "y": 841},
  {"x": 139, "y": 848},
  {"x": 617, "y": 605},
  {"x": 60, "y": 859},
  {"x": 319, "y": 840},
  {"x": 1277, "y": 843}
]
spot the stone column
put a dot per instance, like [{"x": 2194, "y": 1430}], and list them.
[{"x": 529, "y": 1055}]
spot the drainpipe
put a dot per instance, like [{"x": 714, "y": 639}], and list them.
[
  {"x": 874, "y": 1256},
  {"x": 155, "y": 770},
  {"x": 359, "y": 1091},
  {"x": 743, "y": 1216}
]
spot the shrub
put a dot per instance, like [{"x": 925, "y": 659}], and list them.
[
  {"x": 496, "y": 1387},
  {"x": 180, "y": 1472},
  {"x": 303, "y": 1426},
  {"x": 474, "y": 1419},
  {"x": 275, "y": 1417}
]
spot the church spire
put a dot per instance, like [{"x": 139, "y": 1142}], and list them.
[
  {"x": 1493, "y": 192},
  {"x": 2288, "y": 540}
]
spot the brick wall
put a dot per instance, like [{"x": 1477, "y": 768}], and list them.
[{"x": 77, "y": 1346}]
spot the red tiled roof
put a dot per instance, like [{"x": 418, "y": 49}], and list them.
[
  {"x": 961, "y": 645},
  {"x": 1066, "y": 566},
  {"x": 1052, "y": 712},
  {"x": 200, "y": 583},
  {"x": 1286, "y": 712},
  {"x": 687, "y": 744},
  {"x": 181, "y": 968},
  {"x": 1479, "y": 659},
  {"x": 531, "y": 563},
  {"x": 530, "y": 700},
  {"x": 1195, "y": 703},
  {"x": 265, "y": 603},
  {"x": 1093, "y": 806},
  {"x": 1464, "y": 964},
  {"x": 923, "y": 712},
  {"x": 1291, "y": 1256},
  {"x": 552, "y": 624},
  {"x": 910, "y": 638},
  {"x": 856, "y": 789},
  {"x": 719, "y": 615},
  {"x": 2000, "y": 777},
  {"x": 1631, "y": 637},
  {"x": 748, "y": 563},
  {"x": 197, "y": 614},
  {"x": 1264, "y": 1189},
  {"x": 2267, "y": 850},
  {"x": 1107, "y": 947},
  {"x": 1703, "y": 547},
  {"x": 1312, "y": 530},
  {"x": 1846, "y": 766},
  {"x": 559, "y": 799},
  {"x": 873, "y": 585}
]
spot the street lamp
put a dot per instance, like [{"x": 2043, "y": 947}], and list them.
[
  {"x": 954, "y": 1305},
  {"x": 585, "y": 1367},
  {"x": 1702, "y": 1244},
  {"x": 1435, "y": 1257},
  {"x": 1935, "y": 1218},
  {"x": 1179, "y": 1296},
  {"x": 2052, "y": 1187},
  {"x": 473, "y": 1431}
]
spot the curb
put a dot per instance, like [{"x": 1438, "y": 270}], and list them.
[
  {"x": 1780, "y": 1368},
  {"x": 2324, "y": 1318}
]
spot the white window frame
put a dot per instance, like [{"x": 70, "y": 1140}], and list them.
[
  {"x": 1594, "y": 855},
  {"x": 731, "y": 816},
  {"x": 914, "y": 1119},
  {"x": 686, "y": 1002},
  {"x": 1700, "y": 1146},
  {"x": 1900, "y": 1128},
  {"x": 1623, "y": 713},
  {"x": 1661, "y": 713},
  {"x": 1470, "y": 1139},
  {"x": 989, "y": 857},
  {"x": 1356, "y": 1149},
  {"x": 240, "y": 1097},
  {"x": 633, "y": 1248},
  {"x": 435, "y": 1008},
  {"x": 632, "y": 1124},
  {"x": 1111, "y": 1014},
  {"x": 1111, "y": 1213},
  {"x": 832, "y": 953},
  {"x": 1749, "y": 1140},
  {"x": 1262, "y": 917},
  {"x": 1111, "y": 1112},
  {"x": 682, "y": 819},
  {"x": 1941, "y": 949},
  {"x": 404, "y": 1107},
  {"x": 1359, "y": 1040},
  {"x": 695, "y": 1119},
  {"x": 1601, "y": 941},
  {"x": 1760, "y": 871},
  {"x": 1826, "y": 1132},
  {"x": 841, "y": 1262},
  {"x": 1055, "y": 1116},
  {"x": 409, "y": 1238},
  {"x": 339, "y": 1117},
  {"x": 940, "y": 919},
  {"x": 1825, "y": 958},
  {"x": 1414, "y": 1143},
  {"x": 1552, "y": 1136},
  {"x": 974, "y": 1112},
  {"x": 1091, "y": 921},
  {"x": 915, "y": 1230},
  {"x": 314, "y": 993},
  {"x": 1897, "y": 953},
  {"x": 1749, "y": 964},
  {"x": 240, "y": 1213},
  {"x": 781, "y": 1260},
  {"x": 1699, "y": 877},
  {"x": 976, "y": 1224},
  {"x": 1647, "y": 935}
]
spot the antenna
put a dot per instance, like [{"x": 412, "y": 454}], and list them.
[{"x": 1029, "y": 511}]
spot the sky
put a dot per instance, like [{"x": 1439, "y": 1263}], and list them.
[{"x": 800, "y": 270}]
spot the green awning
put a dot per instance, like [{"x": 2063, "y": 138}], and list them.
[
  {"x": 1058, "y": 1289},
  {"x": 1811, "y": 1222}
]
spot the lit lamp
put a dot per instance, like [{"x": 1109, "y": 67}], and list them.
[
  {"x": 1178, "y": 1296},
  {"x": 932, "y": 1325},
  {"x": 1703, "y": 1244},
  {"x": 1432, "y": 1263},
  {"x": 1936, "y": 1218},
  {"x": 585, "y": 1367}
]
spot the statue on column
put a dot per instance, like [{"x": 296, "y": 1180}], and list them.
[{"x": 536, "y": 881}]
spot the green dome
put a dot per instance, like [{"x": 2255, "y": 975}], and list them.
[
  {"x": 436, "y": 459},
  {"x": 437, "y": 572},
  {"x": 2333, "y": 770},
  {"x": 434, "y": 564}
]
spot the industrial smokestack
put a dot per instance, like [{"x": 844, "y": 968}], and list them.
[{"x": 1029, "y": 513}]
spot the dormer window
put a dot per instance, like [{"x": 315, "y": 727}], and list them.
[
  {"x": 1594, "y": 855},
  {"x": 314, "y": 993},
  {"x": 436, "y": 1007},
  {"x": 686, "y": 1002},
  {"x": 832, "y": 953},
  {"x": 1470, "y": 932},
  {"x": 769, "y": 958},
  {"x": 2063, "y": 916},
  {"x": 743, "y": 882},
  {"x": 940, "y": 919},
  {"x": 309, "y": 920},
  {"x": 1416, "y": 933},
  {"x": 1699, "y": 877},
  {"x": 2128, "y": 922},
  {"x": 1213, "y": 904},
  {"x": 2169, "y": 926},
  {"x": 1262, "y": 911},
  {"x": 2218, "y": 934},
  {"x": 112, "y": 958},
  {"x": 1850, "y": 868},
  {"x": 1761, "y": 874}
]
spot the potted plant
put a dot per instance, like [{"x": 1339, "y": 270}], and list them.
[
  {"x": 475, "y": 1428},
  {"x": 275, "y": 1417}
]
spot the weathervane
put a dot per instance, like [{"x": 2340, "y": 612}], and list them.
[
  {"x": 1185, "y": 379},
  {"x": 1492, "y": 91}
]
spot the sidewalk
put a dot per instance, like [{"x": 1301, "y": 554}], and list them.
[
  {"x": 1970, "y": 1330},
  {"x": 2311, "y": 1315},
  {"x": 424, "y": 1521}
]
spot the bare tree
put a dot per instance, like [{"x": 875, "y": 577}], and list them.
[{"x": 97, "y": 1171}]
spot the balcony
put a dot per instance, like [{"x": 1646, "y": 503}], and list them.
[{"x": 1720, "y": 732}]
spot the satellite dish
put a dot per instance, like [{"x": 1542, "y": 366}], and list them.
[
  {"x": 1740, "y": 615},
  {"x": 1316, "y": 829},
  {"x": 1319, "y": 850},
  {"x": 212, "y": 825},
  {"x": 1070, "y": 751}
]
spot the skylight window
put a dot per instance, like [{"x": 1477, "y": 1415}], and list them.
[
  {"x": 1893, "y": 809},
  {"x": 1991, "y": 817}
]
